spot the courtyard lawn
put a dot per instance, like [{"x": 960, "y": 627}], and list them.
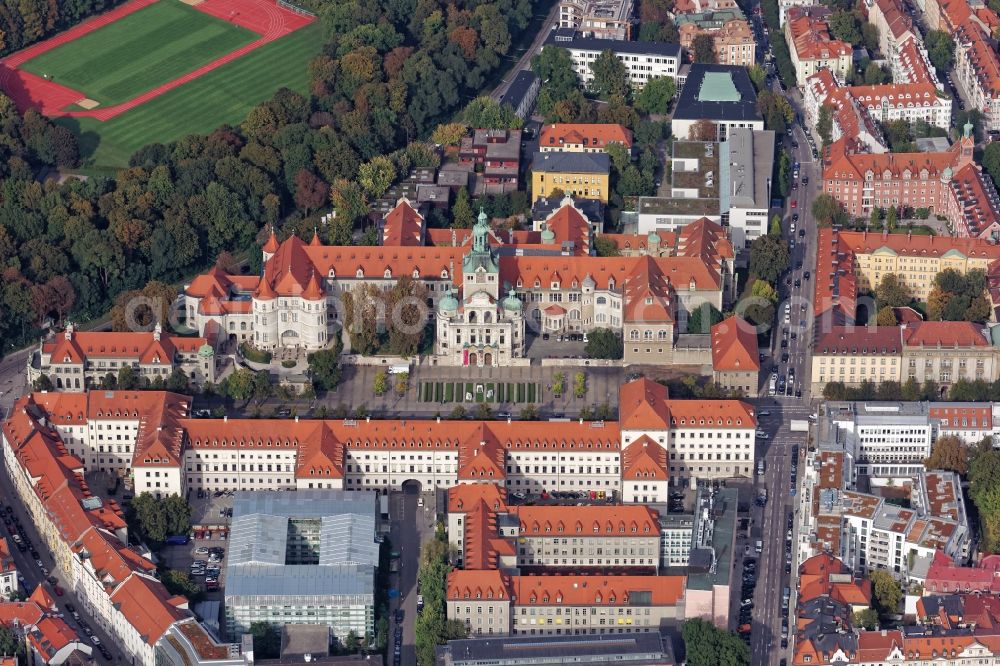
[
  {"x": 222, "y": 96},
  {"x": 140, "y": 51}
]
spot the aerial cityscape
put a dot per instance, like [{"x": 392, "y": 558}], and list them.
[{"x": 495, "y": 333}]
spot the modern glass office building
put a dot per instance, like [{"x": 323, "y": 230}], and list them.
[{"x": 304, "y": 557}]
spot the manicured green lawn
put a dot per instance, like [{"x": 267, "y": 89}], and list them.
[
  {"x": 222, "y": 96},
  {"x": 158, "y": 43}
]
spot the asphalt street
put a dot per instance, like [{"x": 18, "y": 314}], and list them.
[
  {"x": 770, "y": 524},
  {"x": 34, "y": 576},
  {"x": 410, "y": 524},
  {"x": 525, "y": 61}
]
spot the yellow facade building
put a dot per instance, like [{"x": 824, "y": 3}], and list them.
[{"x": 579, "y": 175}]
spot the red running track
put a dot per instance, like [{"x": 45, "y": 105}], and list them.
[{"x": 30, "y": 91}]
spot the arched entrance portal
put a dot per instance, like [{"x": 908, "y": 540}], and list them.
[
  {"x": 473, "y": 358},
  {"x": 411, "y": 487},
  {"x": 488, "y": 359}
]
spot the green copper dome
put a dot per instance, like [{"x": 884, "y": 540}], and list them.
[
  {"x": 449, "y": 303},
  {"x": 547, "y": 236},
  {"x": 512, "y": 302},
  {"x": 206, "y": 351}
]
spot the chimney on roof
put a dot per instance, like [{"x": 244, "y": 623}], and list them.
[
  {"x": 368, "y": 419},
  {"x": 439, "y": 419},
  {"x": 157, "y": 330},
  {"x": 581, "y": 420},
  {"x": 225, "y": 418},
  {"x": 296, "y": 418},
  {"x": 69, "y": 330}
]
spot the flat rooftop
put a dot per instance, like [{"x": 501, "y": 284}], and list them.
[
  {"x": 717, "y": 93},
  {"x": 637, "y": 649},
  {"x": 306, "y": 543}
]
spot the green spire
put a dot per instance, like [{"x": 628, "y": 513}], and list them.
[
  {"x": 481, "y": 255},
  {"x": 480, "y": 233}
]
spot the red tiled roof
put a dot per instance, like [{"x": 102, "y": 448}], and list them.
[
  {"x": 944, "y": 334},
  {"x": 464, "y": 496},
  {"x": 642, "y": 405},
  {"x": 144, "y": 347},
  {"x": 811, "y": 39},
  {"x": 593, "y": 520},
  {"x": 734, "y": 414},
  {"x": 403, "y": 226},
  {"x": 645, "y": 459},
  {"x": 582, "y": 590},
  {"x": 146, "y": 603},
  {"x": 859, "y": 340},
  {"x": 591, "y": 135},
  {"x": 734, "y": 346}
]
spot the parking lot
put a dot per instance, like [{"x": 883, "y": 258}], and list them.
[
  {"x": 210, "y": 518},
  {"x": 210, "y": 556},
  {"x": 580, "y": 497}
]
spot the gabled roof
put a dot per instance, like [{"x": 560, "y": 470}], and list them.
[
  {"x": 148, "y": 606},
  {"x": 642, "y": 405},
  {"x": 592, "y": 520},
  {"x": 944, "y": 334},
  {"x": 594, "y": 135},
  {"x": 734, "y": 346},
  {"x": 463, "y": 497},
  {"x": 648, "y": 294},
  {"x": 404, "y": 226},
  {"x": 644, "y": 459}
]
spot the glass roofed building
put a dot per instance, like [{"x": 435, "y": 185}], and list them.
[{"x": 307, "y": 557}]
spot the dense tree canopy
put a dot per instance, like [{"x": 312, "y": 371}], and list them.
[
  {"x": 706, "y": 645},
  {"x": 703, "y": 48},
  {"x": 892, "y": 292},
  {"x": 603, "y": 343},
  {"x": 389, "y": 73},
  {"x": 656, "y": 95},
  {"x": 160, "y": 518},
  {"x": 949, "y": 453},
  {"x": 958, "y": 297},
  {"x": 886, "y": 592},
  {"x": 940, "y": 49},
  {"x": 768, "y": 258}
]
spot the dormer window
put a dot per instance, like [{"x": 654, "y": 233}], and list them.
[
  {"x": 555, "y": 285},
  {"x": 388, "y": 273},
  {"x": 360, "y": 274}
]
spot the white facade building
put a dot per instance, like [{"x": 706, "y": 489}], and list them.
[{"x": 643, "y": 60}]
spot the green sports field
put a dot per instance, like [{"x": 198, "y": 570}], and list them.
[
  {"x": 139, "y": 52},
  {"x": 222, "y": 96}
]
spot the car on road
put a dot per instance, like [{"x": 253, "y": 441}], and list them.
[
  {"x": 95, "y": 640},
  {"x": 761, "y": 435},
  {"x": 59, "y": 591},
  {"x": 795, "y": 204},
  {"x": 806, "y": 275}
]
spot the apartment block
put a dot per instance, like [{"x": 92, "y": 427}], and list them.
[
  {"x": 730, "y": 31},
  {"x": 601, "y": 19},
  {"x": 88, "y": 538},
  {"x": 811, "y": 46},
  {"x": 658, "y": 441},
  {"x": 857, "y": 261},
  {"x": 907, "y": 516},
  {"x": 643, "y": 60},
  {"x": 977, "y": 67},
  {"x": 491, "y": 602}
]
